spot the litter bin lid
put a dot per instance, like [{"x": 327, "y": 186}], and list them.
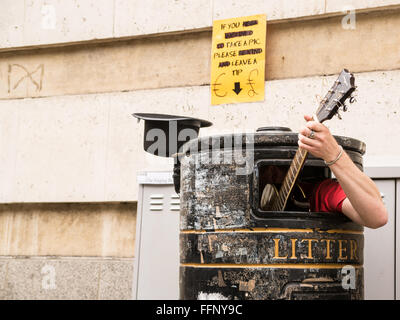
[{"x": 264, "y": 137}]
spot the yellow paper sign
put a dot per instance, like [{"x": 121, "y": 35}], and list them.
[{"x": 238, "y": 59}]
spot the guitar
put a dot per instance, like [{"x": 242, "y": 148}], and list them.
[{"x": 335, "y": 99}]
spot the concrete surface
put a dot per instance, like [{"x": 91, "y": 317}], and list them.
[
  {"x": 68, "y": 229},
  {"x": 89, "y": 147},
  {"x": 57, "y": 22},
  {"x": 184, "y": 60},
  {"x": 65, "y": 278}
]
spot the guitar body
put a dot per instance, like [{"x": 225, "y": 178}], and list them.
[{"x": 298, "y": 200}]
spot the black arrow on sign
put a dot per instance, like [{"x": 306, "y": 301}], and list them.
[{"x": 237, "y": 88}]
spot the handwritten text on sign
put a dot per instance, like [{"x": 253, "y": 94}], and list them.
[{"x": 238, "y": 59}]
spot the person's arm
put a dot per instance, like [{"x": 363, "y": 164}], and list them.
[{"x": 363, "y": 203}]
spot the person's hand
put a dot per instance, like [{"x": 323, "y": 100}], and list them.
[{"x": 322, "y": 144}]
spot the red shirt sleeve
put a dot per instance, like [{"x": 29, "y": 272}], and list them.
[{"x": 328, "y": 196}]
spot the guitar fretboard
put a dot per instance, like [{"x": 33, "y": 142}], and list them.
[{"x": 280, "y": 201}]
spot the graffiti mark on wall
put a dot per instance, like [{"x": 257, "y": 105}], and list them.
[{"x": 18, "y": 74}]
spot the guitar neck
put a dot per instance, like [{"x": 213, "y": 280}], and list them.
[{"x": 280, "y": 201}]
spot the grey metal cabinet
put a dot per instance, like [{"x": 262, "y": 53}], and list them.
[
  {"x": 382, "y": 247},
  {"x": 157, "y": 239},
  {"x": 379, "y": 250}
]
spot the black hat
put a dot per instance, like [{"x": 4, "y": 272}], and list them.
[{"x": 165, "y": 134}]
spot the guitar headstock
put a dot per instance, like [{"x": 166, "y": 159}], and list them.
[{"x": 337, "y": 96}]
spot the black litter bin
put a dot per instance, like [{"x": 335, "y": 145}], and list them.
[{"x": 231, "y": 249}]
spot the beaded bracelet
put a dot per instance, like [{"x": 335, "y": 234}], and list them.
[{"x": 337, "y": 158}]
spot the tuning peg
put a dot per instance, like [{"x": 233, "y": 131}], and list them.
[
  {"x": 352, "y": 99},
  {"x": 344, "y": 107}
]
